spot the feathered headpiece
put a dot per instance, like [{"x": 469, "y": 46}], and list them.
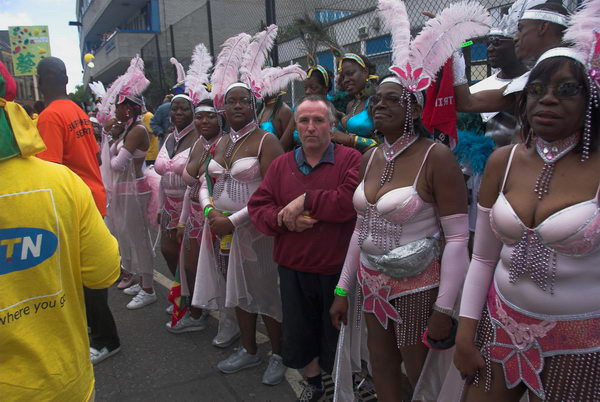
[
  {"x": 227, "y": 66},
  {"x": 133, "y": 83},
  {"x": 584, "y": 33},
  {"x": 179, "y": 87},
  {"x": 98, "y": 90},
  {"x": 271, "y": 80},
  {"x": 508, "y": 24},
  {"x": 415, "y": 63},
  {"x": 196, "y": 79}
]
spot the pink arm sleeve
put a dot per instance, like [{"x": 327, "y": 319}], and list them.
[
  {"x": 348, "y": 276},
  {"x": 185, "y": 209},
  {"x": 119, "y": 162},
  {"x": 455, "y": 259},
  {"x": 204, "y": 195},
  {"x": 486, "y": 252},
  {"x": 240, "y": 217}
]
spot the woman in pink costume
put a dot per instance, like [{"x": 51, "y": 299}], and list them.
[
  {"x": 531, "y": 299},
  {"x": 130, "y": 191},
  {"x": 170, "y": 163},
  {"x": 409, "y": 249}
]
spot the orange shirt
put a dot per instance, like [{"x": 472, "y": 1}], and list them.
[{"x": 69, "y": 136}]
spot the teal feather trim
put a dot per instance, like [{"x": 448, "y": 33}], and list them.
[{"x": 473, "y": 150}]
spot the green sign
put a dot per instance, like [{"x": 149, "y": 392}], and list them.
[
  {"x": 28, "y": 45},
  {"x": 467, "y": 43}
]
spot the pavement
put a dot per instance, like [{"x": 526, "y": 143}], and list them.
[{"x": 155, "y": 365}]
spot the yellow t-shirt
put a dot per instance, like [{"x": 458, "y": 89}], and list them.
[
  {"x": 53, "y": 242},
  {"x": 153, "y": 149}
]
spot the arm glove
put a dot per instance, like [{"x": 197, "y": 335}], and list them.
[
  {"x": 459, "y": 68},
  {"x": 119, "y": 162},
  {"x": 455, "y": 259},
  {"x": 481, "y": 271},
  {"x": 185, "y": 209},
  {"x": 347, "y": 279}
]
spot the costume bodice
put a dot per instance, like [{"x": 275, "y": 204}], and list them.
[
  {"x": 398, "y": 217},
  {"x": 171, "y": 170},
  {"x": 361, "y": 123},
  {"x": 550, "y": 266}
]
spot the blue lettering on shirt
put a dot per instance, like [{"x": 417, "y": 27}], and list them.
[{"x": 24, "y": 248}]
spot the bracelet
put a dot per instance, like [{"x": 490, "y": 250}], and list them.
[
  {"x": 340, "y": 292},
  {"x": 447, "y": 311},
  {"x": 182, "y": 226},
  {"x": 207, "y": 210},
  {"x": 355, "y": 141}
]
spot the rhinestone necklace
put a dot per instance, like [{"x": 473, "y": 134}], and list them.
[
  {"x": 235, "y": 136},
  {"x": 551, "y": 152},
  {"x": 391, "y": 152}
]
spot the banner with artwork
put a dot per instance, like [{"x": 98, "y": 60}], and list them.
[{"x": 28, "y": 45}]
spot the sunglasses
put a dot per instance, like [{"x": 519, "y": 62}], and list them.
[
  {"x": 496, "y": 41},
  {"x": 566, "y": 90}
]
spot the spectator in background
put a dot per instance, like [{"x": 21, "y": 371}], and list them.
[
  {"x": 161, "y": 121},
  {"x": 44, "y": 208},
  {"x": 69, "y": 136},
  {"x": 305, "y": 201}
]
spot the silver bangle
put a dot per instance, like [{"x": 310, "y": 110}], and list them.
[{"x": 448, "y": 311}]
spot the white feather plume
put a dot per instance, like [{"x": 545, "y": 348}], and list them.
[
  {"x": 97, "y": 89},
  {"x": 275, "y": 79},
  {"x": 197, "y": 74},
  {"x": 395, "y": 19},
  {"x": 581, "y": 27},
  {"x": 508, "y": 23},
  {"x": 227, "y": 66},
  {"x": 179, "y": 69},
  {"x": 444, "y": 34},
  {"x": 256, "y": 54}
]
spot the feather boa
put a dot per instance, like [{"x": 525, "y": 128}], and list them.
[
  {"x": 197, "y": 75},
  {"x": 274, "y": 79},
  {"x": 584, "y": 29},
  {"x": 179, "y": 69},
  {"x": 442, "y": 35},
  {"x": 395, "y": 19},
  {"x": 256, "y": 54},
  {"x": 227, "y": 66},
  {"x": 473, "y": 150}
]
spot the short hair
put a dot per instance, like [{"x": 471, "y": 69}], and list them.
[{"x": 331, "y": 112}]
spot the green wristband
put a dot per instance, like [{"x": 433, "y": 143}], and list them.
[
  {"x": 207, "y": 210},
  {"x": 340, "y": 292}
]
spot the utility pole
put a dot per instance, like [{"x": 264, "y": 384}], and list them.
[
  {"x": 211, "y": 43},
  {"x": 272, "y": 19}
]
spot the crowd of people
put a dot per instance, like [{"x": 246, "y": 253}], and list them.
[{"x": 357, "y": 237}]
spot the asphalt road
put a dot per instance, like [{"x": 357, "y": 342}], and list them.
[{"x": 155, "y": 365}]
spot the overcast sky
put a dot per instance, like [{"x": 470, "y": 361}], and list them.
[{"x": 64, "y": 39}]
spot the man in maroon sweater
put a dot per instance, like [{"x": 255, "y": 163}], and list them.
[{"x": 305, "y": 201}]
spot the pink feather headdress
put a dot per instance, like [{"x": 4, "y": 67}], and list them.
[
  {"x": 179, "y": 70},
  {"x": 196, "y": 80},
  {"x": 584, "y": 33},
  {"x": 270, "y": 80},
  {"x": 415, "y": 63},
  {"x": 227, "y": 66},
  {"x": 133, "y": 83}
]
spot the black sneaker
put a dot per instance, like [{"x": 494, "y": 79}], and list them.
[{"x": 310, "y": 393}]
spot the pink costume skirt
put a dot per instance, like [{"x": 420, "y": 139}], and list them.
[
  {"x": 194, "y": 225},
  {"x": 171, "y": 211},
  {"x": 558, "y": 360},
  {"x": 407, "y": 302}
]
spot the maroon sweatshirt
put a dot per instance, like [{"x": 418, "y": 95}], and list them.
[{"x": 329, "y": 190}]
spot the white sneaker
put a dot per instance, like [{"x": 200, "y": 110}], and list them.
[
  {"x": 169, "y": 310},
  {"x": 141, "y": 299},
  {"x": 133, "y": 290},
  {"x": 275, "y": 371},
  {"x": 188, "y": 324},
  {"x": 96, "y": 356}
]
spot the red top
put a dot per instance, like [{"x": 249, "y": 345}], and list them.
[
  {"x": 69, "y": 137},
  {"x": 329, "y": 189}
]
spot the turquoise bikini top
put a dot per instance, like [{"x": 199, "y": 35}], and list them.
[
  {"x": 268, "y": 126},
  {"x": 361, "y": 123}
]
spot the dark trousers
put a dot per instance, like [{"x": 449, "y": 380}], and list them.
[{"x": 100, "y": 319}]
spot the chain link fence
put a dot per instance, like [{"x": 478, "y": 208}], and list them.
[{"x": 349, "y": 25}]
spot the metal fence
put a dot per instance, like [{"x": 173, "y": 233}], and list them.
[{"x": 353, "y": 25}]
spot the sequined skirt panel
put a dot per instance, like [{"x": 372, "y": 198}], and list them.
[{"x": 558, "y": 360}]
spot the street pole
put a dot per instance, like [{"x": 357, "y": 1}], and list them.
[
  {"x": 36, "y": 93},
  {"x": 272, "y": 19},
  {"x": 211, "y": 43}
]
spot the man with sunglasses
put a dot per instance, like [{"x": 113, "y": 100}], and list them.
[{"x": 540, "y": 28}]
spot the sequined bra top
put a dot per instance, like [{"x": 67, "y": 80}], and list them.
[
  {"x": 234, "y": 186},
  {"x": 551, "y": 254},
  {"x": 398, "y": 217},
  {"x": 171, "y": 170}
]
